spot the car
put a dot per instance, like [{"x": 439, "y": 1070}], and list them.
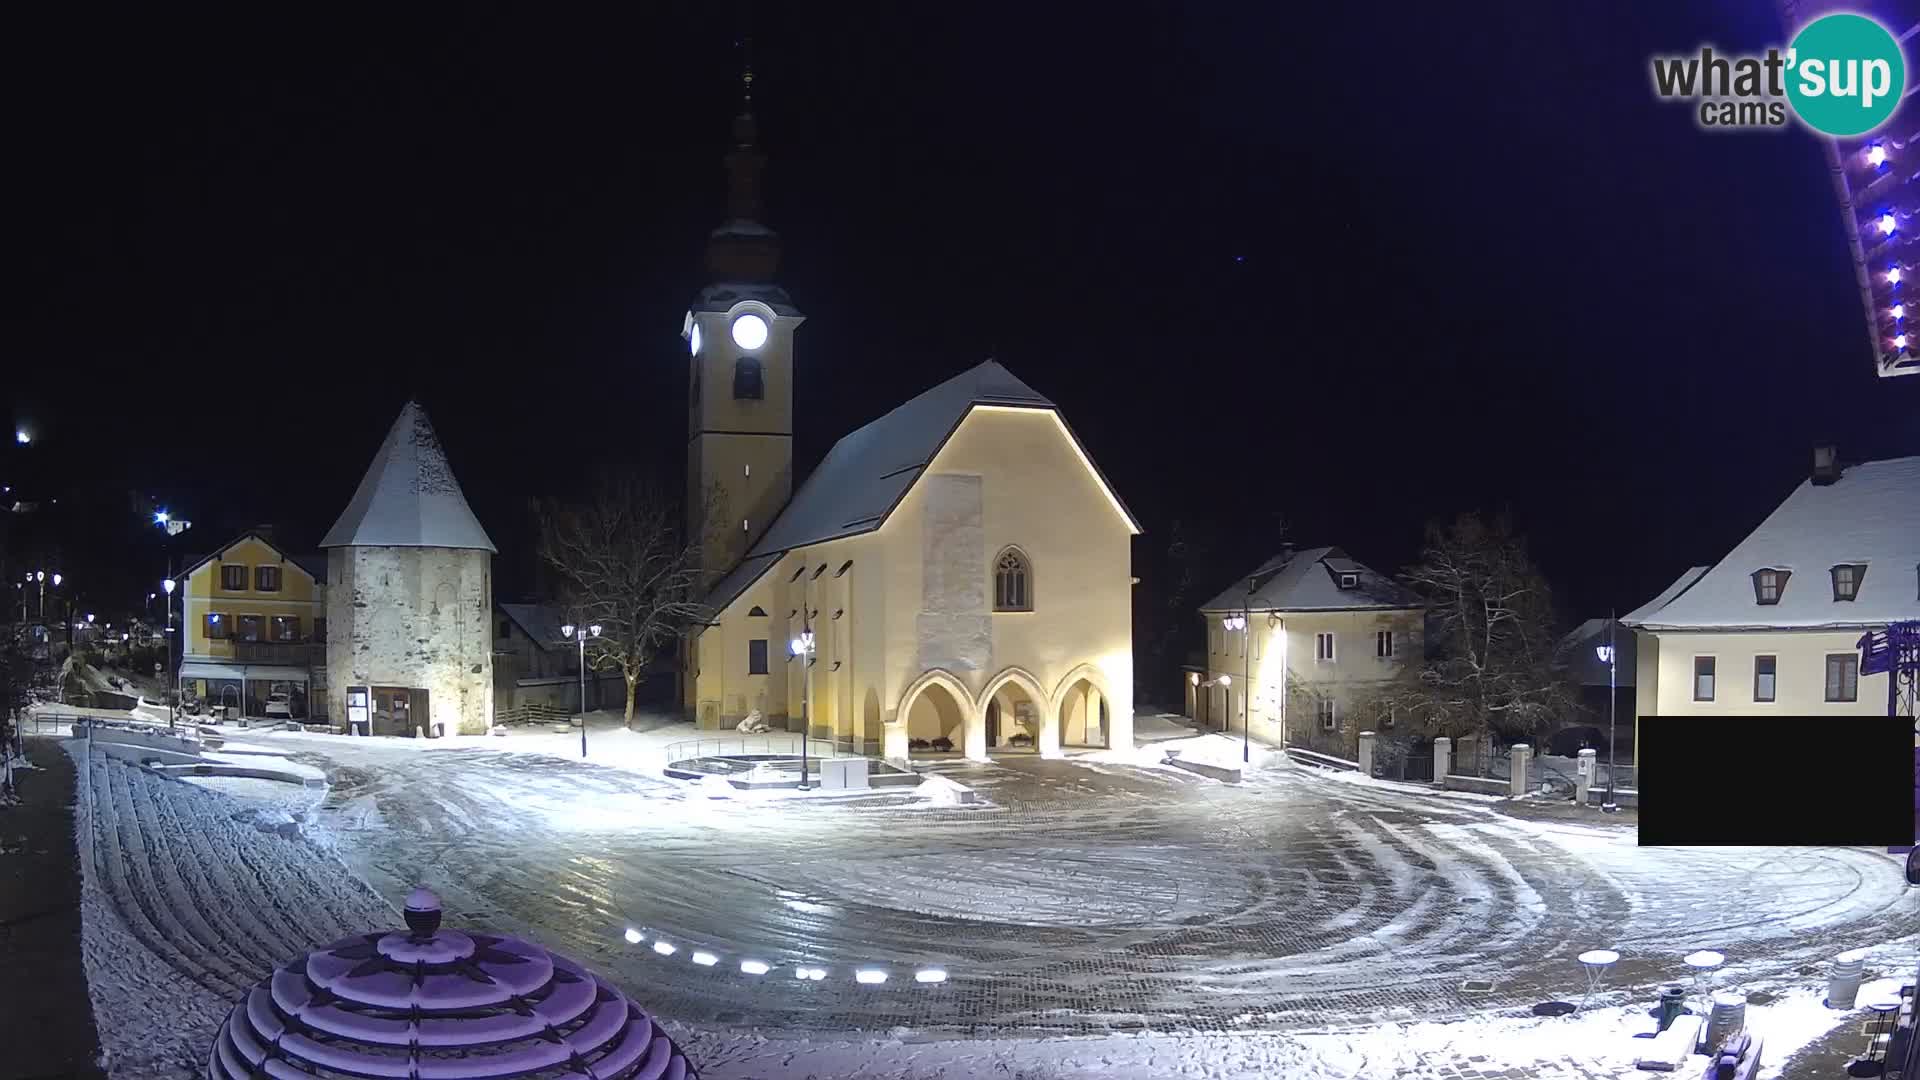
[{"x": 281, "y": 705}]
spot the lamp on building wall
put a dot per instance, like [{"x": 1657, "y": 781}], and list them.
[
  {"x": 802, "y": 649},
  {"x": 580, "y": 634},
  {"x": 1609, "y": 657}
]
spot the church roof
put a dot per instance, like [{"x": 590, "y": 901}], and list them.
[
  {"x": 409, "y": 497},
  {"x": 870, "y": 470}
]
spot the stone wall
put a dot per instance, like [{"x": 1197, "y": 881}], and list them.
[{"x": 414, "y": 617}]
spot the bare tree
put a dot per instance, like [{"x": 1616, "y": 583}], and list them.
[
  {"x": 1490, "y": 644},
  {"x": 624, "y": 564}
]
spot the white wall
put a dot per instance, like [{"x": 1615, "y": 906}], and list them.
[{"x": 1800, "y": 684}]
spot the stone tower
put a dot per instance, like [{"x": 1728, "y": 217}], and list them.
[
  {"x": 410, "y": 593},
  {"x": 739, "y": 332}
]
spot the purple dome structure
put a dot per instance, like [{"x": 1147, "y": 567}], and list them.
[{"x": 432, "y": 1004}]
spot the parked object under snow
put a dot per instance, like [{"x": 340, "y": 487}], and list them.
[{"x": 442, "y": 1003}]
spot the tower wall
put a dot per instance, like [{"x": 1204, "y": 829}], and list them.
[
  {"x": 416, "y": 617},
  {"x": 740, "y": 453}
]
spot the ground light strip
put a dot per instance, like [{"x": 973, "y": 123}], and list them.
[{"x": 802, "y": 973}]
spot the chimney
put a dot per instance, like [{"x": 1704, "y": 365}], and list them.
[
  {"x": 1826, "y": 464},
  {"x": 265, "y": 531}
]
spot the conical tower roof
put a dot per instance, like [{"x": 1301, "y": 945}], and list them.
[{"x": 409, "y": 497}]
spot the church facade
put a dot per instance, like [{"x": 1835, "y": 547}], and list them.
[{"x": 954, "y": 576}]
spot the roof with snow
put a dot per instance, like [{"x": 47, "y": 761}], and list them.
[
  {"x": 409, "y": 497},
  {"x": 1309, "y": 580},
  {"x": 870, "y": 470},
  {"x": 1680, "y": 584},
  {"x": 1585, "y": 665},
  {"x": 1869, "y": 516},
  {"x": 540, "y": 622}
]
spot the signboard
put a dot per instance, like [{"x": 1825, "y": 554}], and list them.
[{"x": 359, "y": 711}]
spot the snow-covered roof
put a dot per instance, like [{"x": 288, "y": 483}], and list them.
[
  {"x": 540, "y": 622},
  {"x": 1585, "y": 665},
  {"x": 409, "y": 497},
  {"x": 1870, "y": 516},
  {"x": 1680, "y": 584},
  {"x": 870, "y": 470},
  {"x": 1309, "y": 580},
  {"x": 721, "y": 296}
]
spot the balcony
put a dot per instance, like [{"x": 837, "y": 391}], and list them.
[{"x": 288, "y": 653}]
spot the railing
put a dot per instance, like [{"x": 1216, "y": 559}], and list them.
[
  {"x": 1413, "y": 768},
  {"x": 297, "y": 653},
  {"x": 782, "y": 743},
  {"x": 1325, "y": 761}
]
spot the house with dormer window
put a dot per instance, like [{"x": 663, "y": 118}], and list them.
[
  {"x": 1775, "y": 625},
  {"x": 1300, "y": 647}
]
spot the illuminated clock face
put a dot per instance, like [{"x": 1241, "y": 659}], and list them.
[
  {"x": 749, "y": 331},
  {"x": 693, "y": 340}
]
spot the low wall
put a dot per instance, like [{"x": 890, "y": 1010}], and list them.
[{"x": 1484, "y": 786}]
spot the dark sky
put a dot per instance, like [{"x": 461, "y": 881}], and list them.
[{"x": 1354, "y": 269}]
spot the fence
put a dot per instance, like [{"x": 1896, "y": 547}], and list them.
[
  {"x": 537, "y": 712},
  {"x": 1325, "y": 761},
  {"x": 1416, "y": 768},
  {"x": 779, "y": 743}
]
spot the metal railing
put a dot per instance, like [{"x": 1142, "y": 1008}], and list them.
[
  {"x": 1325, "y": 761},
  {"x": 781, "y": 743},
  {"x": 1414, "y": 768}
]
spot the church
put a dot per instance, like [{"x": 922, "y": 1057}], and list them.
[{"x": 956, "y": 576}]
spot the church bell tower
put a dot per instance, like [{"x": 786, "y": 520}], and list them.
[{"x": 739, "y": 335}]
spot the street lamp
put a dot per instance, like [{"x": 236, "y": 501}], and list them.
[
  {"x": 1609, "y": 657},
  {"x": 21, "y": 436},
  {"x": 802, "y": 648},
  {"x": 1240, "y": 623},
  {"x": 173, "y": 696},
  {"x": 580, "y": 634}
]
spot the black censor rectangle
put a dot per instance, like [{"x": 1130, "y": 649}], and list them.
[{"x": 1776, "y": 781}]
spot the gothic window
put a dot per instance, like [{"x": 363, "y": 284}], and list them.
[
  {"x": 747, "y": 381},
  {"x": 1012, "y": 582}
]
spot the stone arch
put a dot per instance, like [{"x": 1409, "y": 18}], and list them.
[
  {"x": 966, "y": 723},
  {"x": 1077, "y": 714},
  {"x": 1046, "y": 732}
]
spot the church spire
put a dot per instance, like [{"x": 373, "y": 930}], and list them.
[{"x": 743, "y": 248}]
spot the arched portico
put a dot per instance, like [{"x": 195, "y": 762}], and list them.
[
  {"x": 1004, "y": 694},
  {"x": 1083, "y": 708},
  {"x": 937, "y": 705}
]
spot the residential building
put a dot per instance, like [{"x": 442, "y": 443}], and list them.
[
  {"x": 410, "y": 599},
  {"x": 1774, "y": 627},
  {"x": 253, "y": 627},
  {"x": 534, "y": 664},
  {"x": 1307, "y": 642},
  {"x": 955, "y": 573}
]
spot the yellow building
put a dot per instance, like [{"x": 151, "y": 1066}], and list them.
[
  {"x": 1775, "y": 626},
  {"x": 1308, "y": 639},
  {"x": 253, "y": 620},
  {"x": 954, "y": 576}
]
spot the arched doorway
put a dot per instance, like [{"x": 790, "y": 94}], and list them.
[
  {"x": 1015, "y": 715},
  {"x": 1086, "y": 716},
  {"x": 936, "y": 718}
]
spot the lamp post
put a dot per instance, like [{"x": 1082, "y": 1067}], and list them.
[
  {"x": 802, "y": 648},
  {"x": 1608, "y": 657},
  {"x": 580, "y": 634},
  {"x": 1243, "y": 623},
  {"x": 171, "y": 692}
]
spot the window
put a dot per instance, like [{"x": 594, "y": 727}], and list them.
[
  {"x": 1843, "y": 677},
  {"x": 1846, "y": 580},
  {"x": 1765, "y": 681},
  {"x": 1323, "y": 648},
  {"x": 1349, "y": 581},
  {"x": 320, "y": 630},
  {"x": 1386, "y": 714},
  {"x": 747, "y": 381},
  {"x": 1769, "y": 584},
  {"x": 1329, "y": 714},
  {"x": 266, "y": 579},
  {"x": 506, "y": 628},
  {"x": 286, "y": 628},
  {"x": 1703, "y": 678},
  {"x": 217, "y": 626},
  {"x": 1012, "y": 582},
  {"x": 233, "y": 578},
  {"x": 1383, "y": 644},
  {"x": 757, "y": 612},
  {"x": 757, "y": 656},
  {"x": 1213, "y": 637},
  {"x": 247, "y": 627}
]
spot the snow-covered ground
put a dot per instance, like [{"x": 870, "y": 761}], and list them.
[{"x": 1091, "y": 918}]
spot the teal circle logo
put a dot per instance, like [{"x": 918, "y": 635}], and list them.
[{"x": 1845, "y": 74}]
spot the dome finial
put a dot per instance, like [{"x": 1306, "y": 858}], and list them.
[{"x": 423, "y": 912}]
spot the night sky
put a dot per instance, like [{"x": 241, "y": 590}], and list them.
[{"x": 1350, "y": 269}]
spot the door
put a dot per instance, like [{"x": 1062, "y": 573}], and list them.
[
  {"x": 391, "y": 711},
  {"x": 993, "y": 723}
]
